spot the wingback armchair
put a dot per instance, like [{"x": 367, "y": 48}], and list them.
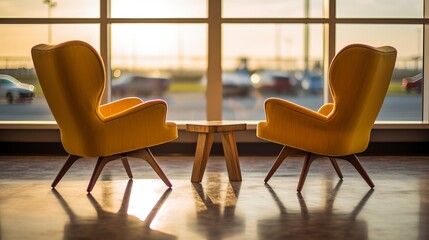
[
  {"x": 359, "y": 77},
  {"x": 73, "y": 79}
]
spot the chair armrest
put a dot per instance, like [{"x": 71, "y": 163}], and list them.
[
  {"x": 326, "y": 109},
  {"x": 293, "y": 125},
  {"x": 141, "y": 108},
  {"x": 273, "y": 104},
  {"x": 120, "y": 105},
  {"x": 143, "y": 125}
]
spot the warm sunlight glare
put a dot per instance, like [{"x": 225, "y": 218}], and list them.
[{"x": 144, "y": 198}]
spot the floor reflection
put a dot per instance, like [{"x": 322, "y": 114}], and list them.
[
  {"x": 398, "y": 208},
  {"x": 1, "y": 232},
  {"x": 112, "y": 225},
  {"x": 215, "y": 209},
  {"x": 319, "y": 223},
  {"x": 424, "y": 209}
]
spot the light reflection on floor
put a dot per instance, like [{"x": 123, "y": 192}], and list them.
[{"x": 143, "y": 208}]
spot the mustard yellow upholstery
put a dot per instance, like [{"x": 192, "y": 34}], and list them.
[
  {"x": 73, "y": 79},
  {"x": 359, "y": 77}
]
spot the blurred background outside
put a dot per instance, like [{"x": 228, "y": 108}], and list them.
[{"x": 168, "y": 60}]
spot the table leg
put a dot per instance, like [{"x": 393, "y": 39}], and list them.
[
  {"x": 204, "y": 145},
  {"x": 231, "y": 155}
]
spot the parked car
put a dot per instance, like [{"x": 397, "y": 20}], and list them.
[
  {"x": 235, "y": 83},
  {"x": 129, "y": 84},
  {"x": 312, "y": 83},
  {"x": 14, "y": 91},
  {"x": 413, "y": 83},
  {"x": 278, "y": 81}
]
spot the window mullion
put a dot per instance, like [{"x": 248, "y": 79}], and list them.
[
  {"x": 214, "y": 69},
  {"x": 425, "y": 91},
  {"x": 105, "y": 46},
  {"x": 329, "y": 45}
]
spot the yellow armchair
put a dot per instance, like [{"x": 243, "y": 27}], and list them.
[
  {"x": 359, "y": 77},
  {"x": 73, "y": 79}
]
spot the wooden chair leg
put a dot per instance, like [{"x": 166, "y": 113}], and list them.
[
  {"x": 127, "y": 167},
  {"x": 69, "y": 162},
  {"x": 101, "y": 162},
  {"x": 309, "y": 158},
  {"x": 355, "y": 162},
  {"x": 147, "y": 155},
  {"x": 231, "y": 156},
  {"x": 280, "y": 158},
  {"x": 204, "y": 145},
  {"x": 336, "y": 167}
]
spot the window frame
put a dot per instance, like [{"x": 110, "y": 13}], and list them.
[{"x": 214, "y": 21}]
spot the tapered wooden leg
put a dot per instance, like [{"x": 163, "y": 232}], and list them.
[
  {"x": 231, "y": 156},
  {"x": 280, "y": 158},
  {"x": 69, "y": 162},
  {"x": 204, "y": 145},
  {"x": 147, "y": 155},
  {"x": 336, "y": 167},
  {"x": 309, "y": 158},
  {"x": 127, "y": 167},
  {"x": 355, "y": 162},
  {"x": 101, "y": 162}
]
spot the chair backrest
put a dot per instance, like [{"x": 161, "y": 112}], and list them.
[
  {"x": 72, "y": 77},
  {"x": 359, "y": 78}
]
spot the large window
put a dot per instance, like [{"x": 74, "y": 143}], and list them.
[
  {"x": 402, "y": 103},
  {"x": 161, "y": 61},
  {"x": 49, "y": 9},
  {"x": 169, "y": 48},
  {"x": 158, "y": 9},
  {"x": 16, "y": 65},
  {"x": 379, "y": 9},
  {"x": 272, "y": 8},
  {"x": 270, "y": 60}
]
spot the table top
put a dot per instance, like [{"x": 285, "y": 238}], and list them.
[{"x": 215, "y": 126}]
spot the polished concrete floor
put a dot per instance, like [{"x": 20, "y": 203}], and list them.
[{"x": 144, "y": 208}]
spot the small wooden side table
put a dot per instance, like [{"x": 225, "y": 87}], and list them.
[{"x": 206, "y": 131}]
